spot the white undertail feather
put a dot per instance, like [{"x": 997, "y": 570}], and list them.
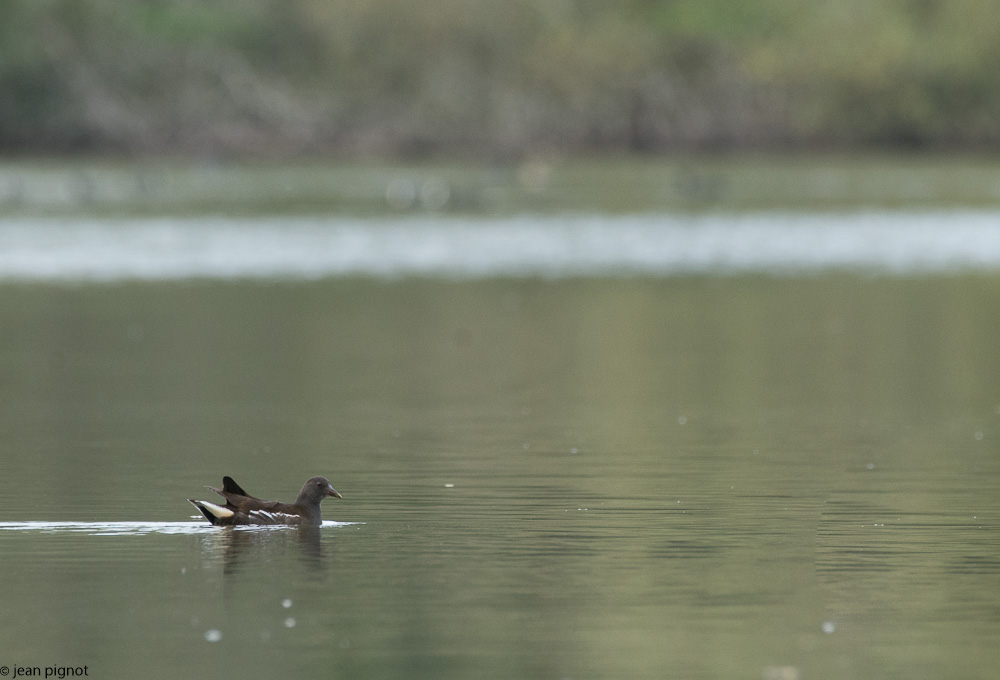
[{"x": 217, "y": 510}]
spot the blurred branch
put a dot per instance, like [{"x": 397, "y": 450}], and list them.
[{"x": 497, "y": 77}]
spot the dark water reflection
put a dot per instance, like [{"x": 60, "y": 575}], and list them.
[
  {"x": 700, "y": 478},
  {"x": 241, "y": 550}
]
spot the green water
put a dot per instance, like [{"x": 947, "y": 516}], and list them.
[{"x": 743, "y": 477}]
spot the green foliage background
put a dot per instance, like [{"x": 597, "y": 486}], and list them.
[{"x": 496, "y": 77}]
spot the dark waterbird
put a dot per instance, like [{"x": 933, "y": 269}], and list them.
[{"x": 242, "y": 508}]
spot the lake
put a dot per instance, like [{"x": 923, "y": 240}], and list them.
[{"x": 694, "y": 444}]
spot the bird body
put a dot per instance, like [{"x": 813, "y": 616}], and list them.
[{"x": 242, "y": 508}]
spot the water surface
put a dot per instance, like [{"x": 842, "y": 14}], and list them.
[
  {"x": 644, "y": 477},
  {"x": 713, "y": 419}
]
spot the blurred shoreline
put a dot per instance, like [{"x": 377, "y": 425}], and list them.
[{"x": 611, "y": 184}]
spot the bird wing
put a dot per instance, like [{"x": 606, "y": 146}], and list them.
[
  {"x": 231, "y": 491},
  {"x": 240, "y": 503}
]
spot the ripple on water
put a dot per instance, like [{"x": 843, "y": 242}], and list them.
[{"x": 138, "y": 528}]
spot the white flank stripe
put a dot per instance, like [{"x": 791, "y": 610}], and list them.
[{"x": 272, "y": 516}]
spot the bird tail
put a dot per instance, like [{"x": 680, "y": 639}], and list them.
[
  {"x": 213, "y": 513},
  {"x": 229, "y": 485}
]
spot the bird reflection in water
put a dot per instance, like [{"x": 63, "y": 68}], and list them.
[{"x": 242, "y": 549}]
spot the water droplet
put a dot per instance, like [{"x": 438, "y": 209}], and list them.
[
  {"x": 434, "y": 194},
  {"x": 780, "y": 673},
  {"x": 213, "y": 635},
  {"x": 401, "y": 194},
  {"x": 682, "y": 420},
  {"x": 978, "y": 436},
  {"x": 290, "y": 622},
  {"x": 286, "y": 603},
  {"x": 829, "y": 626}
]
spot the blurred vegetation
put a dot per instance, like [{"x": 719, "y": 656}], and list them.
[{"x": 495, "y": 77}]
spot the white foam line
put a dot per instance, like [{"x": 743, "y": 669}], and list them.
[{"x": 136, "y": 528}]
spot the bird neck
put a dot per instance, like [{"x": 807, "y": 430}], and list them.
[{"x": 311, "y": 510}]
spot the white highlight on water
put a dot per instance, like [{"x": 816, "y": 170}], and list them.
[
  {"x": 140, "y": 528},
  {"x": 469, "y": 247}
]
